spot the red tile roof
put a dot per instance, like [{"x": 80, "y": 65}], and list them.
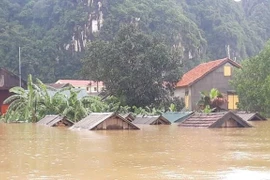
[
  {"x": 201, "y": 70},
  {"x": 79, "y": 83}
]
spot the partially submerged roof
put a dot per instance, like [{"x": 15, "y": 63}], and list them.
[
  {"x": 54, "y": 120},
  {"x": 251, "y": 116},
  {"x": 175, "y": 117},
  {"x": 202, "y": 70},
  {"x": 215, "y": 120},
  {"x": 128, "y": 116},
  {"x": 151, "y": 120},
  {"x": 93, "y": 120}
]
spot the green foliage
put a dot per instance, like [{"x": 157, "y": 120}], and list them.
[
  {"x": 52, "y": 33},
  {"x": 207, "y": 109},
  {"x": 224, "y": 23},
  {"x": 210, "y": 101},
  {"x": 39, "y": 100},
  {"x": 134, "y": 67},
  {"x": 251, "y": 83}
]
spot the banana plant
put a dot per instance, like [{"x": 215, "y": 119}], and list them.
[{"x": 22, "y": 103}]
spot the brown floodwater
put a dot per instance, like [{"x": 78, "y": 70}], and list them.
[{"x": 29, "y": 151}]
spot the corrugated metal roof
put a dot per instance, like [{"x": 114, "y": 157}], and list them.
[
  {"x": 212, "y": 120},
  {"x": 94, "y": 119},
  {"x": 46, "y": 119},
  {"x": 52, "y": 120},
  {"x": 151, "y": 120},
  {"x": 128, "y": 116},
  {"x": 251, "y": 116},
  {"x": 174, "y": 117}
]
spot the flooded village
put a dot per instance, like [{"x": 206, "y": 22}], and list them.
[
  {"x": 224, "y": 143},
  {"x": 134, "y": 89}
]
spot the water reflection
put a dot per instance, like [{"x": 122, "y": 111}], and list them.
[{"x": 156, "y": 152}]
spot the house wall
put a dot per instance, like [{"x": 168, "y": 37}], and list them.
[
  {"x": 230, "y": 123},
  {"x": 215, "y": 79},
  {"x": 90, "y": 88},
  {"x": 63, "y": 123},
  {"x": 4, "y": 94},
  {"x": 184, "y": 93},
  {"x": 113, "y": 123},
  {"x": 9, "y": 80},
  {"x": 94, "y": 88},
  {"x": 179, "y": 92}
]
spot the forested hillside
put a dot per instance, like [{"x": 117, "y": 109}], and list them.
[{"x": 53, "y": 34}]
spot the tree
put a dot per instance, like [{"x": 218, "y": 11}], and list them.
[
  {"x": 252, "y": 82},
  {"x": 53, "y": 34},
  {"x": 38, "y": 100},
  {"x": 135, "y": 67},
  {"x": 23, "y": 103}
]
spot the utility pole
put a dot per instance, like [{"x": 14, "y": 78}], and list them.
[
  {"x": 20, "y": 71},
  {"x": 228, "y": 51}
]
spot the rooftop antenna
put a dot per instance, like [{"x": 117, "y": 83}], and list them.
[{"x": 20, "y": 71}]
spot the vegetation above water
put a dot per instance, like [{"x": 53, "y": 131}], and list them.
[
  {"x": 137, "y": 68},
  {"x": 53, "y": 36},
  {"x": 38, "y": 100},
  {"x": 252, "y": 83},
  {"x": 211, "y": 101}
]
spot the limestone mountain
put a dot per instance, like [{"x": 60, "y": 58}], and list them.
[{"x": 53, "y": 34}]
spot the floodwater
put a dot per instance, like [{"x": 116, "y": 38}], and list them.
[{"x": 29, "y": 151}]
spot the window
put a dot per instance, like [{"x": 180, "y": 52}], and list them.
[
  {"x": 95, "y": 88},
  {"x": 232, "y": 101},
  {"x": 227, "y": 70}
]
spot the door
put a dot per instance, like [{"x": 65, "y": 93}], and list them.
[{"x": 232, "y": 101}]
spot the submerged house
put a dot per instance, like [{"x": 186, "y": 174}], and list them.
[
  {"x": 215, "y": 120},
  {"x": 204, "y": 77},
  {"x": 8, "y": 80},
  {"x": 251, "y": 116},
  {"x": 128, "y": 116},
  {"x": 151, "y": 120},
  {"x": 177, "y": 117},
  {"x": 105, "y": 121},
  {"x": 55, "y": 120}
]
